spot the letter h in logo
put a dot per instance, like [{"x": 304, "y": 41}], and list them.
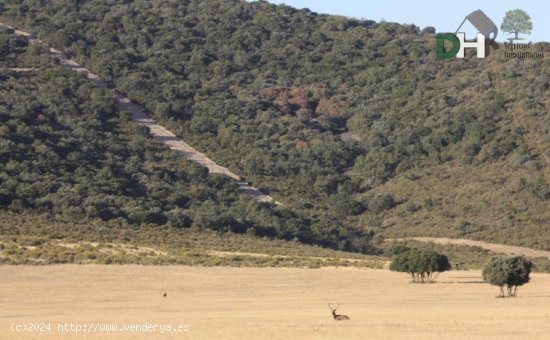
[{"x": 479, "y": 44}]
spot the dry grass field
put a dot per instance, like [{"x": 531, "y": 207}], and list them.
[{"x": 267, "y": 303}]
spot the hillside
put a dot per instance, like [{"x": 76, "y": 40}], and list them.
[
  {"x": 69, "y": 155},
  {"x": 353, "y": 124}
]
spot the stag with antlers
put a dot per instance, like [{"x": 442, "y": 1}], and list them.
[{"x": 338, "y": 317}]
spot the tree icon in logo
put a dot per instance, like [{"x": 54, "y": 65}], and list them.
[{"x": 515, "y": 22}]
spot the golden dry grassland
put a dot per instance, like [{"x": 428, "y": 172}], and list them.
[{"x": 267, "y": 303}]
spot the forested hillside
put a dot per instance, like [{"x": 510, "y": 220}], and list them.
[
  {"x": 352, "y": 123},
  {"x": 69, "y": 155}
]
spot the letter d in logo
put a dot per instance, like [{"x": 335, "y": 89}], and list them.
[{"x": 440, "y": 48}]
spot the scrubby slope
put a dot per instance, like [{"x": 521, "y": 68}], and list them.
[
  {"x": 433, "y": 148},
  {"x": 68, "y": 154}
]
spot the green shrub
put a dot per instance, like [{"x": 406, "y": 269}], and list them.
[
  {"x": 422, "y": 265},
  {"x": 511, "y": 272}
]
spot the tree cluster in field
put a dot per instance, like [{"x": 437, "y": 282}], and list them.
[
  {"x": 422, "y": 265},
  {"x": 511, "y": 272},
  {"x": 270, "y": 90}
]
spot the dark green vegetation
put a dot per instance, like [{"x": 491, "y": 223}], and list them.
[
  {"x": 353, "y": 124},
  {"x": 511, "y": 272},
  {"x": 422, "y": 265},
  {"x": 68, "y": 154},
  {"x": 461, "y": 257}
]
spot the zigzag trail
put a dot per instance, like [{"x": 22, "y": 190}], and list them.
[{"x": 139, "y": 115}]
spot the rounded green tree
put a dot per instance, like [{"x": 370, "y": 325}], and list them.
[
  {"x": 515, "y": 22},
  {"x": 422, "y": 265},
  {"x": 511, "y": 272}
]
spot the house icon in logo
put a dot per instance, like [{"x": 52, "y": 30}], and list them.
[{"x": 482, "y": 23}]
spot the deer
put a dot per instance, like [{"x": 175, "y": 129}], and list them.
[{"x": 337, "y": 317}]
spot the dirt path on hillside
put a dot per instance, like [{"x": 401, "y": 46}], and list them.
[
  {"x": 23, "y": 69},
  {"x": 498, "y": 248},
  {"x": 139, "y": 115}
]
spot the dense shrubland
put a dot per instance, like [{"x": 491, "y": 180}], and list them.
[
  {"x": 68, "y": 154},
  {"x": 456, "y": 148}
]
